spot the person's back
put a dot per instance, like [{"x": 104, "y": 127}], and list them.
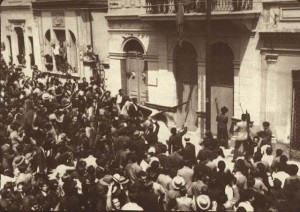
[{"x": 242, "y": 130}]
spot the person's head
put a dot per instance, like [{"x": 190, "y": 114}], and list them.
[
  {"x": 116, "y": 203},
  {"x": 224, "y": 110},
  {"x": 257, "y": 157},
  {"x": 121, "y": 91},
  {"x": 279, "y": 152},
  {"x": 20, "y": 187},
  {"x": 134, "y": 100},
  {"x": 84, "y": 79},
  {"x": 269, "y": 151},
  {"x": 44, "y": 187},
  {"x": 283, "y": 159},
  {"x": 293, "y": 169},
  {"x": 221, "y": 165},
  {"x": 241, "y": 209},
  {"x": 244, "y": 117},
  {"x": 75, "y": 119},
  {"x": 173, "y": 131},
  {"x": 266, "y": 125}
]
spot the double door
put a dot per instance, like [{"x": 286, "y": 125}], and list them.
[{"x": 136, "y": 75}]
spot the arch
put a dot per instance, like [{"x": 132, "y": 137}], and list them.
[
  {"x": 185, "y": 63},
  {"x": 133, "y": 44},
  {"x": 222, "y": 70}
]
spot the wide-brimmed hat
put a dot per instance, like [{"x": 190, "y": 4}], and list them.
[
  {"x": 120, "y": 179},
  {"x": 178, "y": 182},
  {"x": 46, "y": 96},
  {"x": 21, "y": 162},
  {"x": 203, "y": 202},
  {"x": 65, "y": 102},
  {"x": 106, "y": 180}
]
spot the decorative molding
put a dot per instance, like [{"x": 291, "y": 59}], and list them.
[
  {"x": 58, "y": 19},
  {"x": 271, "y": 58},
  {"x": 151, "y": 58},
  {"x": 290, "y": 14}
]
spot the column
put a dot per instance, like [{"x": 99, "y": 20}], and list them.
[
  {"x": 27, "y": 46},
  {"x": 14, "y": 46},
  {"x": 201, "y": 97},
  {"x": 236, "y": 89}
]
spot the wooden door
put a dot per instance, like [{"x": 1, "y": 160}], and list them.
[{"x": 136, "y": 84}]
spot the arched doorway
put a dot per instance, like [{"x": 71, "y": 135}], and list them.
[
  {"x": 222, "y": 82},
  {"x": 186, "y": 75},
  {"x": 21, "y": 45},
  {"x": 135, "y": 71}
]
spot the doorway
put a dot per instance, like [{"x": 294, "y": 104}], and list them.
[
  {"x": 295, "y": 134},
  {"x": 186, "y": 75},
  {"x": 21, "y": 45},
  {"x": 135, "y": 71},
  {"x": 222, "y": 82}
]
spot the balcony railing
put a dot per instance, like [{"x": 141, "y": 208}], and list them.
[
  {"x": 170, "y": 6},
  {"x": 197, "y": 6}
]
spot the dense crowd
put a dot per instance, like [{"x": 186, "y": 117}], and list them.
[{"x": 68, "y": 145}]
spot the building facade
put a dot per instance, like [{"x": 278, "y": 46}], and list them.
[
  {"x": 60, "y": 33},
  {"x": 19, "y": 34},
  {"x": 252, "y": 64}
]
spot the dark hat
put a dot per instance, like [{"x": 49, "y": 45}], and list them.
[{"x": 224, "y": 109}]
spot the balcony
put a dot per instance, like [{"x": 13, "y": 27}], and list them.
[{"x": 165, "y": 10}]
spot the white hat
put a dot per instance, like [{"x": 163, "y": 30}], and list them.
[
  {"x": 46, "y": 96},
  {"x": 151, "y": 149},
  {"x": 178, "y": 182},
  {"x": 203, "y": 202}
]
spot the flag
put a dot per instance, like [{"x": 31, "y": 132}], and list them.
[{"x": 180, "y": 21}]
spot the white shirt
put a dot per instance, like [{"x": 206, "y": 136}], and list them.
[
  {"x": 131, "y": 206},
  {"x": 119, "y": 99},
  {"x": 281, "y": 176},
  {"x": 241, "y": 128},
  {"x": 90, "y": 161},
  {"x": 247, "y": 205}
]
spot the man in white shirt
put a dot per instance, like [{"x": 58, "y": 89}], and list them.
[{"x": 242, "y": 135}]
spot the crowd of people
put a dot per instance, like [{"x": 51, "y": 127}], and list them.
[{"x": 68, "y": 145}]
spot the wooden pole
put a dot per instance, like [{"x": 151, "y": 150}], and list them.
[{"x": 208, "y": 64}]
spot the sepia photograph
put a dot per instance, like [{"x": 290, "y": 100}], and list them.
[{"x": 150, "y": 105}]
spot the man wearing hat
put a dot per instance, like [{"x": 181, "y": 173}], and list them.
[
  {"x": 222, "y": 132},
  {"x": 189, "y": 151}
]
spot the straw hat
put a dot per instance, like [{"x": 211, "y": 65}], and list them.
[
  {"x": 177, "y": 183},
  {"x": 203, "y": 202}
]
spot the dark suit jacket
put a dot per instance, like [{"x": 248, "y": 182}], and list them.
[
  {"x": 151, "y": 136},
  {"x": 176, "y": 140},
  {"x": 189, "y": 153}
]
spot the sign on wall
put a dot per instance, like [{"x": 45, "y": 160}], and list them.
[{"x": 58, "y": 19}]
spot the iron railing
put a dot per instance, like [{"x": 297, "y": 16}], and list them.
[{"x": 196, "y": 6}]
